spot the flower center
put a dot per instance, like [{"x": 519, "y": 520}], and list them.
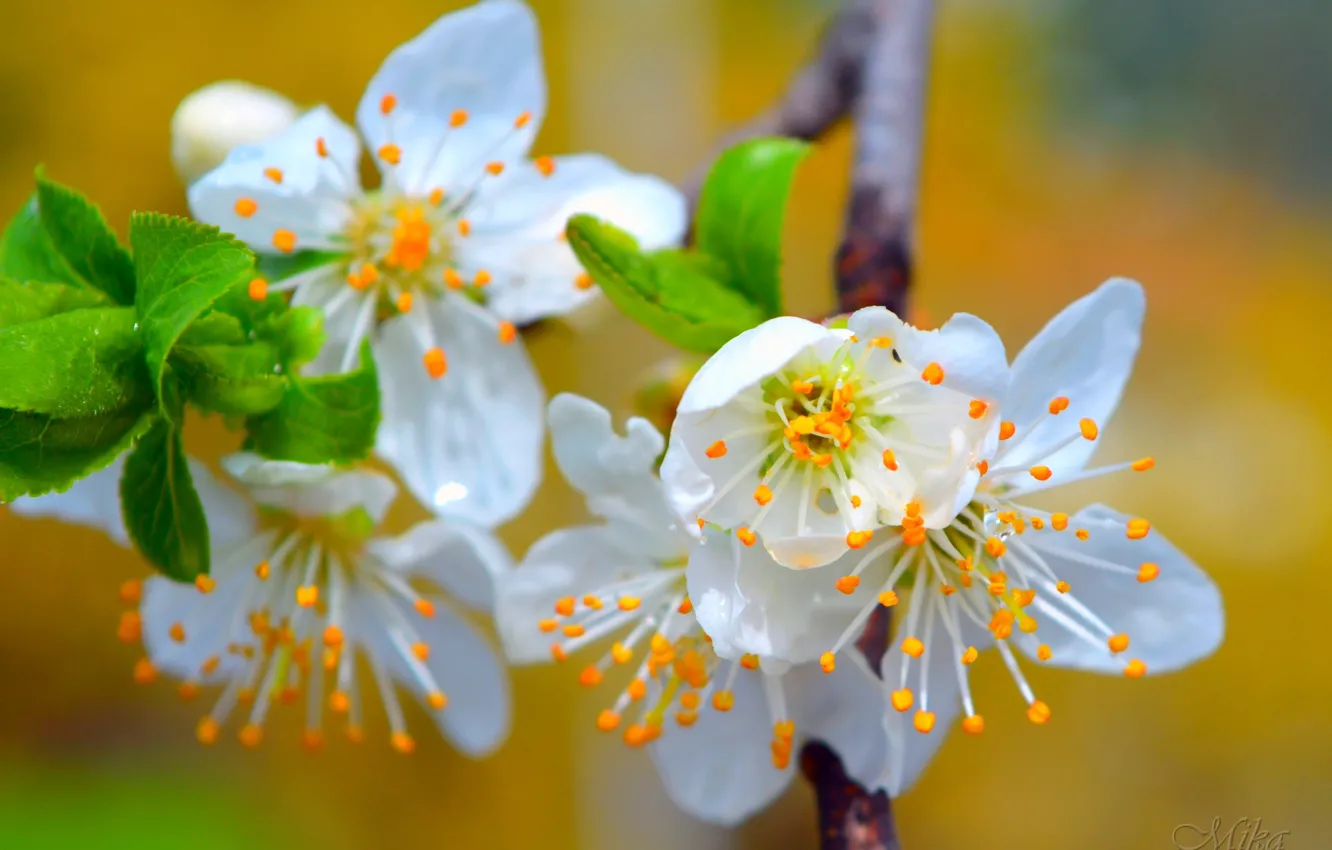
[{"x": 400, "y": 245}]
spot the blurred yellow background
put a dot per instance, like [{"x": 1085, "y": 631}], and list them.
[{"x": 1038, "y": 184}]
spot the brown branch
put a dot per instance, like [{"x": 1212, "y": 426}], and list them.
[
  {"x": 850, "y": 818},
  {"x": 874, "y": 263}
]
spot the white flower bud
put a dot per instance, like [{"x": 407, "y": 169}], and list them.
[{"x": 218, "y": 117}]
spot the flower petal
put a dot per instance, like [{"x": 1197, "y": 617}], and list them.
[
  {"x": 720, "y": 769},
  {"x": 968, "y": 350},
  {"x": 93, "y": 501},
  {"x": 519, "y": 226},
  {"x": 468, "y": 445},
  {"x": 1085, "y": 354},
  {"x": 311, "y": 490},
  {"x": 844, "y": 709},
  {"x": 301, "y": 192},
  {"x": 748, "y": 603},
  {"x": 465, "y": 560},
  {"x": 568, "y": 562},
  {"x": 462, "y": 664},
  {"x": 1172, "y": 621},
  {"x": 617, "y": 475},
  {"x": 483, "y": 61}
]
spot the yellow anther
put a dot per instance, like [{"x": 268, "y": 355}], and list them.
[
  {"x": 686, "y": 606},
  {"x": 458, "y": 118},
  {"x": 130, "y": 629},
  {"x": 207, "y": 731},
  {"x": 976, "y": 409},
  {"x": 1058, "y": 405},
  {"x": 637, "y": 689},
  {"x": 746, "y": 536},
  {"x": 284, "y": 240},
  {"x": 386, "y": 103},
  {"x": 1135, "y": 669},
  {"x": 749, "y": 661},
  {"x": 802, "y": 387},
  {"x": 251, "y": 735},
  {"x": 1143, "y": 464},
  {"x": 177, "y": 632},
  {"x": 621, "y": 654},
  {"x": 970, "y": 655},
  {"x": 913, "y": 647},
  {"x": 589, "y": 677},
  {"x": 827, "y": 662},
  {"x": 1088, "y": 428},
  {"x": 1043, "y": 652},
  {"x": 888, "y": 598},
  {"x": 716, "y": 450},
  {"x": 1037, "y": 523},
  {"x": 321, "y": 147},
  {"x": 557, "y": 652},
  {"x": 848, "y": 584},
  {"x": 246, "y": 207},
  {"x": 973, "y": 724},
  {"x": 723, "y": 700},
  {"x": 1147, "y": 572},
  {"x": 1027, "y": 624},
  {"x": 902, "y": 699},
  {"x": 187, "y": 690},
  {"x": 1059, "y": 521},
  {"x": 933, "y": 374},
  {"x": 273, "y": 174},
  {"x": 573, "y": 630},
  {"x": 583, "y": 281},
  {"x": 762, "y": 494},
  {"x": 923, "y": 721},
  {"x": 333, "y": 637},
  {"x": 144, "y": 672},
  {"x": 607, "y": 720},
  {"x": 1038, "y": 712},
  {"x": 402, "y": 742},
  {"x": 307, "y": 595},
  {"x": 995, "y": 547},
  {"x": 1062, "y": 586},
  {"x": 1118, "y": 643},
  {"x": 261, "y": 570},
  {"x": 1041, "y": 473},
  {"x": 1006, "y": 430},
  {"x": 889, "y": 460},
  {"x": 1138, "y": 528},
  {"x": 404, "y": 302},
  {"x": 425, "y": 608},
  {"x": 464, "y": 227},
  {"x": 204, "y": 584},
  {"x": 436, "y": 364},
  {"x": 545, "y": 165}
]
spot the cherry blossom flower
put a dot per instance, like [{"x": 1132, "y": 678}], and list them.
[
  {"x": 1097, "y": 590},
  {"x": 461, "y": 244},
  {"x": 810, "y": 438},
  {"x": 300, "y": 587},
  {"x": 722, "y": 733}
]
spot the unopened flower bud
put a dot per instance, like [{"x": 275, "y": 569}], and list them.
[{"x": 218, "y": 117}]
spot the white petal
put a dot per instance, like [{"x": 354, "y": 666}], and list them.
[
  {"x": 616, "y": 474},
  {"x": 687, "y": 487},
  {"x": 231, "y": 517},
  {"x": 464, "y": 560},
  {"x": 311, "y": 490},
  {"x": 845, "y": 710},
  {"x": 462, "y": 663},
  {"x": 484, "y": 59},
  {"x": 568, "y": 562},
  {"x": 967, "y": 348},
  {"x": 206, "y": 619},
  {"x": 310, "y": 200},
  {"x": 325, "y": 289},
  {"x": 93, "y": 501},
  {"x": 1172, "y": 621},
  {"x": 1086, "y": 354},
  {"x": 748, "y": 359},
  {"x": 748, "y": 603},
  {"x": 521, "y": 217},
  {"x": 720, "y": 769},
  {"x": 468, "y": 444}
]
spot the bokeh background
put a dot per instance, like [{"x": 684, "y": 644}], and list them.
[{"x": 1182, "y": 143}]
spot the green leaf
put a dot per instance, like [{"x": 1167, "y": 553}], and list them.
[
  {"x": 182, "y": 268},
  {"x": 680, "y": 296},
  {"x": 331, "y": 418},
  {"x": 39, "y": 454},
  {"x": 82, "y": 237},
  {"x": 231, "y": 379},
  {"x": 298, "y": 332},
  {"x": 26, "y": 252},
  {"x": 74, "y": 365},
  {"x": 162, "y": 510},
  {"x": 214, "y": 328},
  {"x": 27, "y": 302},
  {"x": 740, "y": 213}
]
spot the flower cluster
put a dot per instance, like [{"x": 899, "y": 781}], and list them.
[{"x": 812, "y": 475}]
